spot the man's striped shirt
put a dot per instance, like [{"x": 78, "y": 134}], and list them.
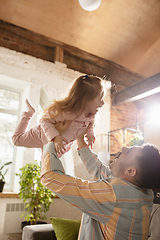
[{"x": 113, "y": 208}]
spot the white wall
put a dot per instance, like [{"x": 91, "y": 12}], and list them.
[
  {"x": 40, "y": 80},
  {"x": 152, "y": 133},
  {"x": 10, "y": 221}
]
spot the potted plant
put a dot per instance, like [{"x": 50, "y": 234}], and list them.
[
  {"x": 2, "y": 178},
  {"x": 37, "y": 197}
]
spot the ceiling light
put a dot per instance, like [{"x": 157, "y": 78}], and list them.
[{"x": 90, "y": 5}]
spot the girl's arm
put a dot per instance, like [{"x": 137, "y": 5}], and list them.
[
  {"x": 90, "y": 135},
  {"x": 91, "y": 129},
  {"x": 52, "y": 133},
  {"x": 49, "y": 129},
  {"x": 50, "y": 126},
  {"x": 53, "y": 128}
]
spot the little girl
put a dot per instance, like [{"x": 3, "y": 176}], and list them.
[{"x": 78, "y": 109}]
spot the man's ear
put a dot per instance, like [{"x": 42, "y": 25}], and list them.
[{"x": 130, "y": 171}]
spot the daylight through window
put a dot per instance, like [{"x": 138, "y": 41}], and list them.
[{"x": 9, "y": 109}]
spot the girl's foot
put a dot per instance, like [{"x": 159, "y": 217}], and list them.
[{"x": 29, "y": 107}]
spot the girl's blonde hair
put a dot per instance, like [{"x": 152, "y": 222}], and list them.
[{"x": 84, "y": 89}]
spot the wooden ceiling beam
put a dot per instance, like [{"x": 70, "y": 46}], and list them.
[
  {"x": 52, "y": 50},
  {"x": 140, "y": 90},
  {"x": 59, "y": 54}
]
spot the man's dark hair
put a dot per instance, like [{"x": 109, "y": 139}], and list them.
[{"x": 149, "y": 167}]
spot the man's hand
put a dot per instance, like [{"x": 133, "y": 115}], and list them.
[
  {"x": 80, "y": 139},
  {"x": 62, "y": 126},
  {"x": 90, "y": 140},
  {"x": 59, "y": 144}
]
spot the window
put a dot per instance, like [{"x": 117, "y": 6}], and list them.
[
  {"x": 9, "y": 110},
  {"x": 38, "y": 151}
]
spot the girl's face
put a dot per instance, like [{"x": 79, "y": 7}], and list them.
[{"x": 93, "y": 106}]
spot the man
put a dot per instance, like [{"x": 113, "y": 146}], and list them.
[{"x": 118, "y": 204}]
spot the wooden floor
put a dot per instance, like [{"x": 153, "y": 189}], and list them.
[{"x": 13, "y": 236}]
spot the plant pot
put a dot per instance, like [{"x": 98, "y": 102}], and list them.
[
  {"x": 25, "y": 223},
  {"x": 1, "y": 186}
]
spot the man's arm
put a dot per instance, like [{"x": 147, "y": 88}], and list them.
[
  {"x": 91, "y": 161},
  {"x": 81, "y": 142},
  {"x": 79, "y": 193},
  {"x": 93, "y": 165}
]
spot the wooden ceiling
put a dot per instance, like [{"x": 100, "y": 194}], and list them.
[
  {"x": 123, "y": 31},
  {"x": 120, "y": 38}
]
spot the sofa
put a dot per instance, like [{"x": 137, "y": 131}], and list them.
[
  {"x": 46, "y": 231},
  {"x": 38, "y": 232},
  {"x": 59, "y": 229}
]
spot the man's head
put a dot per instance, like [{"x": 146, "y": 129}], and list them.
[{"x": 138, "y": 165}]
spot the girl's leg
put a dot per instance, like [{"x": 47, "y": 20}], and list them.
[
  {"x": 31, "y": 138},
  {"x": 29, "y": 107}
]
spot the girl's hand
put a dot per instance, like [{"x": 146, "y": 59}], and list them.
[
  {"x": 59, "y": 145},
  {"x": 62, "y": 126},
  {"x": 90, "y": 140}
]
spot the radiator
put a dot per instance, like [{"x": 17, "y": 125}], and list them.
[{"x": 13, "y": 219}]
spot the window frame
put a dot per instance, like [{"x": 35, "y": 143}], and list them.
[{"x": 15, "y": 113}]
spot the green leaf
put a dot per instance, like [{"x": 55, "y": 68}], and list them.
[{"x": 37, "y": 196}]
